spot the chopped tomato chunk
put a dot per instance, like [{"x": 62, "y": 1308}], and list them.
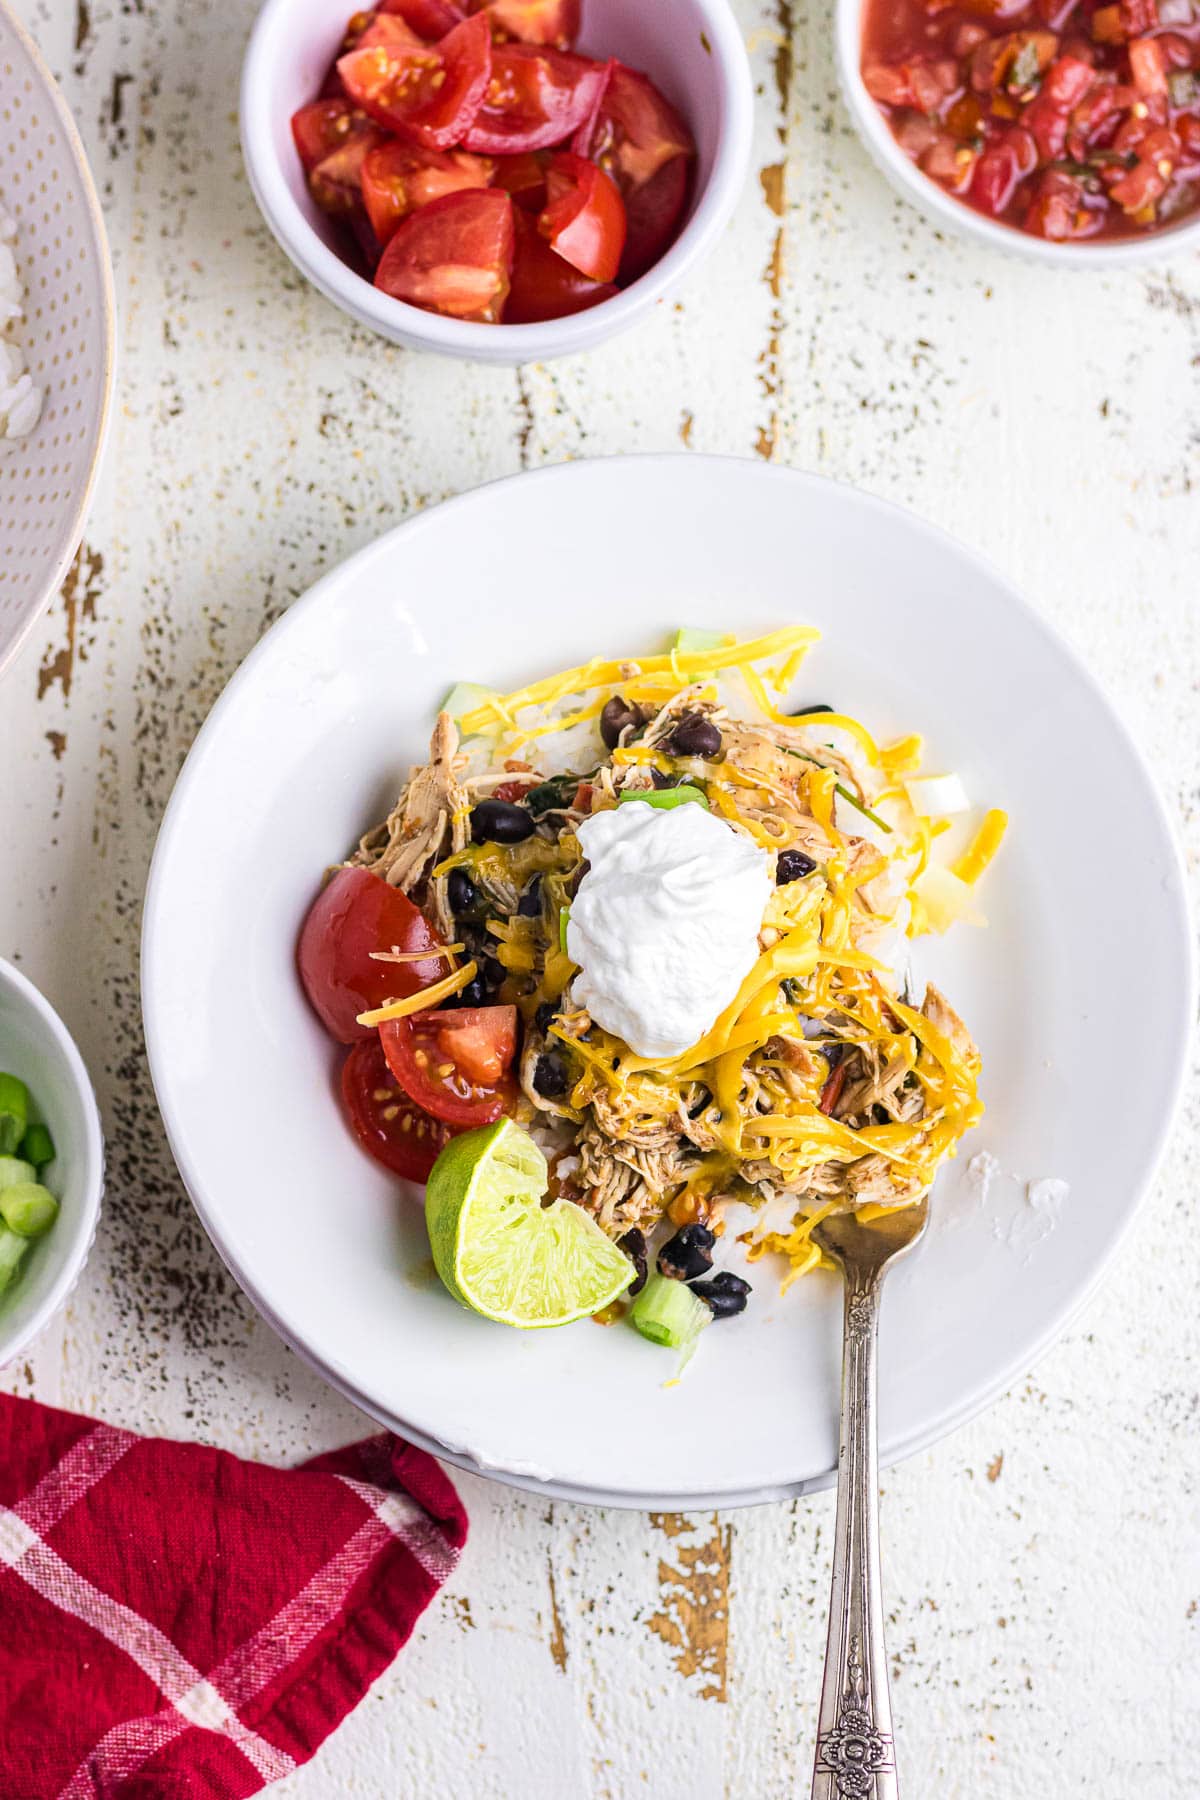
[
  {"x": 427, "y": 93},
  {"x": 534, "y": 21},
  {"x": 399, "y": 178},
  {"x": 536, "y": 97},
  {"x": 454, "y": 256},
  {"x": 1148, "y": 66},
  {"x": 544, "y": 284},
  {"x": 584, "y": 216},
  {"x": 455, "y": 1064},
  {"x": 430, "y": 19}
]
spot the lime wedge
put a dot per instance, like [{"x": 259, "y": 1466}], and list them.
[{"x": 504, "y": 1254}]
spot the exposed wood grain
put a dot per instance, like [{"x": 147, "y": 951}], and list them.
[{"x": 1052, "y": 423}]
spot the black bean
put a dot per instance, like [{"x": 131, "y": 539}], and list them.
[
  {"x": 501, "y": 822},
  {"x": 880, "y": 1114},
  {"x": 798, "y": 712},
  {"x": 634, "y": 1245},
  {"x": 792, "y": 865},
  {"x": 474, "y": 994},
  {"x": 687, "y": 1254},
  {"x": 663, "y": 781},
  {"x": 461, "y": 892},
  {"x": 726, "y": 1294},
  {"x": 618, "y": 716},
  {"x": 550, "y": 1077},
  {"x": 529, "y": 906},
  {"x": 695, "y": 735},
  {"x": 833, "y": 1054},
  {"x": 491, "y": 972},
  {"x": 545, "y": 1016}
]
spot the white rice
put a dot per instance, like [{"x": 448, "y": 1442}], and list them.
[{"x": 20, "y": 401}]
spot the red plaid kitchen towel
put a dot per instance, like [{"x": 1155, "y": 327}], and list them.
[{"x": 176, "y": 1624}]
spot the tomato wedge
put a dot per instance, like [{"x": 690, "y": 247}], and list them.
[
  {"x": 533, "y": 21},
  {"x": 652, "y": 215},
  {"x": 584, "y": 216},
  {"x": 326, "y": 126},
  {"x": 639, "y": 138},
  {"x": 390, "y": 31},
  {"x": 544, "y": 286},
  {"x": 635, "y": 130},
  {"x": 355, "y": 914},
  {"x": 455, "y": 1065},
  {"x": 430, "y": 19},
  {"x": 454, "y": 256},
  {"x": 427, "y": 93},
  {"x": 389, "y": 1126},
  {"x": 524, "y": 177},
  {"x": 336, "y": 182},
  {"x": 536, "y": 97},
  {"x": 398, "y": 178}
]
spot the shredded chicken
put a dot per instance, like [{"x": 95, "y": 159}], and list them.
[{"x": 429, "y": 820}]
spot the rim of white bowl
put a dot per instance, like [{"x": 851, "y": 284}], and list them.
[
  {"x": 627, "y": 1498},
  {"x": 78, "y": 519},
  {"x": 944, "y": 209},
  {"x": 500, "y": 343},
  {"x": 82, "y": 1225}
]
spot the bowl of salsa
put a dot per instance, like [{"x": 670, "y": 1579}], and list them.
[{"x": 1068, "y": 130}]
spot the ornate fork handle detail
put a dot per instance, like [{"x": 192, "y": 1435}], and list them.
[{"x": 855, "y": 1759}]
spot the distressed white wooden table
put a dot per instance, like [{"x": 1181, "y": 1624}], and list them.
[{"x": 1042, "y": 1565}]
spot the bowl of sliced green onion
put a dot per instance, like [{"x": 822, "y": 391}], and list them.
[{"x": 51, "y": 1162}]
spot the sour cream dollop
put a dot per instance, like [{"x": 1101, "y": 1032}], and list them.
[{"x": 665, "y": 925}]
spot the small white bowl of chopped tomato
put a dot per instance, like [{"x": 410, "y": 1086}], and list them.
[
  {"x": 1060, "y": 129},
  {"x": 506, "y": 180}
]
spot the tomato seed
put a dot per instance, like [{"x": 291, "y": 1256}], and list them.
[{"x": 390, "y": 1112}]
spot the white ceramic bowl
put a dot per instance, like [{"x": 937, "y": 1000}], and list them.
[
  {"x": 46, "y": 480},
  {"x": 944, "y": 209},
  {"x": 36, "y": 1045},
  {"x": 691, "y": 48},
  {"x": 306, "y": 748}
]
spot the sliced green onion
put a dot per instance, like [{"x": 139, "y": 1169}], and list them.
[
  {"x": 14, "y": 1113},
  {"x": 38, "y": 1146},
  {"x": 12, "y": 1253},
  {"x": 28, "y": 1208},
  {"x": 666, "y": 798},
  {"x": 839, "y": 788},
  {"x": 668, "y": 1313},
  {"x": 689, "y": 639},
  {"x": 564, "y": 914},
  {"x": 859, "y": 807},
  {"x": 14, "y": 1170}
]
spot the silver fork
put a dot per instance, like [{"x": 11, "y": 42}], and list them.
[{"x": 855, "y": 1757}]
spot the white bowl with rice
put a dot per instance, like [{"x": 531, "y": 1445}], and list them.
[{"x": 57, "y": 336}]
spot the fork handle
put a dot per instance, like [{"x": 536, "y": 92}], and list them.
[{"x": 855, "y": 1757}]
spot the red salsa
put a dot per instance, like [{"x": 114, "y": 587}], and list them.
[
  {"x": 1063, "y": 118},
  {"x": 478, "y": 167}
]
